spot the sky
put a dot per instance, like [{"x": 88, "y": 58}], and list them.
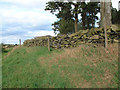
[{"x": 26, "y": 19}]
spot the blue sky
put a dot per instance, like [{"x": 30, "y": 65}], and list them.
[{"x": 25, "y": 19}]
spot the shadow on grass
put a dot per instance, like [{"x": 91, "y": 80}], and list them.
[{"x": 5, "y": 51}]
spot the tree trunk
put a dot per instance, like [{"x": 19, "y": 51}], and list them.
[
  {"x": 102, "y": 14},
  {"x": 76, "y": 17},
  {"x": 76, "y": 27},
  {"x": 92, "y": 21},
  {"x": 83, "y": 20},
  {"x": 83, "y": 14},
  {"x": 88, "y": 26}
]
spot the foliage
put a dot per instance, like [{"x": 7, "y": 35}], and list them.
[
  {"x": 64, "y": 15},
  {"x": 64, "y": 26},
  {"x": 115, "y": 16},
  {"x": 2, "y": 49},
  {"x": 92, "y": 10},
  {"x": 67, "y": 13}
]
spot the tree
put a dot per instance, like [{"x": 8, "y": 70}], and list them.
[
  {"x": 65, "y": 23},
  {"x": 65, "y": 11},
  {"x": 92, "y": 10},
  {"x": 63, "y": 26},
  {"x": 76, "y": 12},
  {"x": 83, "y": 14},
  {"x": 68, "y": 12},
  {"x": 118, "y": 17},
  {"x": 115, "y": 16}
]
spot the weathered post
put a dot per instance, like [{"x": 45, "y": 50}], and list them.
[
  {"x": 105, "y": 33},
  {"x": 106, "y": 17},
  {"x": 20, "y": 42},
  {"x": 48, "y": 44}
]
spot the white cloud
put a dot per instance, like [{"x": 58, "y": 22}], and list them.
[
  {"x": 40, "y": 33},
  {"x": 115, "y": 3},
  {"x": 27, "y": 14},
  {"x": 10, "y": 39},
  {"x": 14, "y": 39},
  {"x": 26, "y": 3},
  {"x": 29, "y": 17}
]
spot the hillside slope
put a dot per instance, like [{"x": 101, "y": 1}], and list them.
[{"x": 84, "y": 67}]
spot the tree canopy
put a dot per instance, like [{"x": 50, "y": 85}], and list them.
[
  {"x": 115, "y": 16},
  {"x": 68, "y": 13}
]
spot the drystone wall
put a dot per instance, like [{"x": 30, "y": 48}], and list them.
[{"x": 94, "y": 35}]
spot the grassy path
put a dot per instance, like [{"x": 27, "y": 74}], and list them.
[
  {"x": 81, "y": 67},
  {"x": 13, "y": 49}
]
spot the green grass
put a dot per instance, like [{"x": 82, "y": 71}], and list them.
[
  {"x": 0, "y": 69},
  {"x": 36, "y": 67}
]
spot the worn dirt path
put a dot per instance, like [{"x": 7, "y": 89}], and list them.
[{"x": 11, "y": 51}]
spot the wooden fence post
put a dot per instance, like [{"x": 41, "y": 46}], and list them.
[
  {"x": 20, "y": 42},
  {"x": 48, "y": 44}
]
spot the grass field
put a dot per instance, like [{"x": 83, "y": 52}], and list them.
[{"x": 81, "y": 67}]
